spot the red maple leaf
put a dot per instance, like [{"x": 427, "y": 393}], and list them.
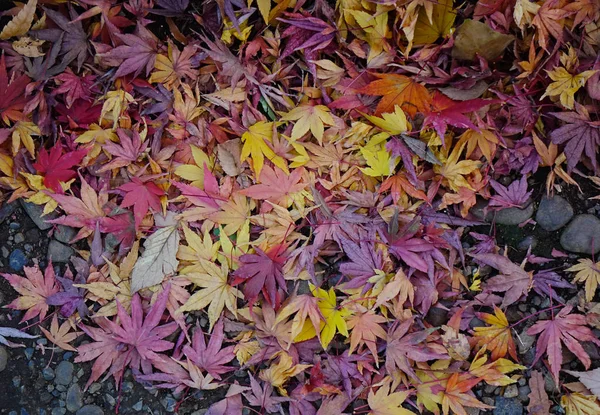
[
  {"x": 13, "y": 94},
  {"x": 56, "y": 166},
  {"x": 445, "y": 111},
  {"x": 567, "y": 329},
  {"x": 211, "y": 358},
  {"x": 142, "y": 196},
  {"x": 262, "y": 271}
]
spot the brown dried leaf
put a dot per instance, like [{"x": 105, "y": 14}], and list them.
[
  {"x": 21, "y": 23},
  {"x": 539, "y": 404}
]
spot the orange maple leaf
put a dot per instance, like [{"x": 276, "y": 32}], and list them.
[{"x": 401, "y": 90}]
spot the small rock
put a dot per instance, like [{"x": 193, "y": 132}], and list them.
[
  {"x": 28, "y": 353},
  {"x": 3, "y": 358},
  {"x": 59, "y": 411},
  {"x": 64, "y": 233},
  {"x": 475, "y": 322},
  {"x": 110, "y": 400},
  {"x": 59, "y": 252},
  {"x": 5, "y": 252},
  {"x": 169, "y": 403},
  {"x": 437, "y": 316},
  {"x": 529, "y": 242},
  {"x": 64, "y": 373},
  {"x": 48, "y": 373},
  {"x": 74, "y": 398},
  {"x": 138, "y": 406},
  {"x": 549, "y": 385},
  {"x": 507, "y": 406},
  {"x": 46, "y": 397},
  {"x": 511, "y": 391},
  {"x": 524, "y": 391},
  {"x": 525, "y": 341},
  {"x": 19, "y": 238},
  {"x": 14, "y": 226},
  {"x": 94, "y": 387},
  {"x": 472, "y": 411},
  {"x": 17, "y": 260},
  {"x": 90, "y": 410},
  {"x": 553, "y": 213},
  {"x": 35, "y": 213},
  {"x": 582, "y": 235},
  {"x": 511, "y": 216}
]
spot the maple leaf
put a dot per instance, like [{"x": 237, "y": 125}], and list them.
[
  {"x": 57, "y": 166},
  {"x": 364, "y": 330},
  {"x": 485, "y": 140},
  {"x": 127, "y": 152},
  {"x": 581, "y": 134},
  {"x": 590, "y": 379},
  {"x": 579, "y": 404},
  {"x": 454, "y": 170},
  {"x": 279, "y": 373},
  {"x": 457, "y": 394},
  {"x": 135, "y": 341},
  {"x": 71, "y": 298},
  {"x": 215, "y": 292},
  {"x": 409, "y": 95},
  {"x": 262, "y": 397},
  {"x": 513, "y": 280},
  {"x": 309, "y": 117},
  {"x": 403, "y": 348},
  {"x": 170, "y": 69},
  {"x": 22, "y": 133},
  {"x": 262, "y": 271},
  {"x": 565, "y": 85},
  {"x": 515, "y": 195},
  {"x": 539, "y": 404},
  {"x": 34, "y": 290},
  {"x": 256, "y": 144},
  {"x": 564, "y": 328},
  {"x": 549, "y": 21},
  {"x": 384, "y": 402},
  {"x": 13, "y": 94},
  {"x": 61, "y": 336},
  {"x": 305, "y": 307},
  {"x": 138, "y": 51},
  {"x": 589, "y": 272},
  {"x": 11, "y": 332},
  {"x": 20, "y": 24},
  {"x": 75, "y": 87},
  {"x": 380, "y": 162},
  {"x": 497, "y": 338},
  {"x": 399, "y": 185},
  {"x": 142, "y": 195},
  {"x": 278, "y": 187},
  {"x": 211, "y": 358}
]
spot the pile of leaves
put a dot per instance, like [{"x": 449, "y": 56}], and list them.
[{"x": 300, "y": 174}]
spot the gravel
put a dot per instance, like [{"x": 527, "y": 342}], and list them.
[
  {"x": 90, "y": 410},
  {"x": 59, "y": 252},
  {"x": 507, "y": 406},
  {"x": 3, "y": 358},
  {"x": 35, "y": 213},
  {"x": 553, "y": 213},
  {"x": 513, "y": 216},
  {"x": 74, "y": 398},
  {"x": 64, "y": 373},
  {"x": 17, "y": 260}
]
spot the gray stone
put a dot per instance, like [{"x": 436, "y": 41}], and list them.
[
  {"x": 511, "y": 391},
  {"x": 17, "y": 260},
  {"x": 64, "y": 233},
  {"x": 582, "y": 235},
  {"x": 3, "y": 358},
  {"x": 19, "y": 238},
  {"x": 35, "y": 213},
  {"x": 48, "y": 373},
  {"x": 525, "y": 341},
  {"x": 74, "y": 398},
  {"x": 513, "y": 216},
  {"x": 553, "y": 213},
  {"x": 507, "y": 406},
  {"x": 64, "y": 373},
  {"x": 524, "y": 392},
  {"x": 58, "y": 252},
  {"x": 528, "y": 242},
  {"x": 90, "y": 410},
  {"x": 6, "y": 210},
  {"x": 59, "y": 411}
]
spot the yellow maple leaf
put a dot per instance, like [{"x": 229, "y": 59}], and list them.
[
  {"x": 454, "y": 171},
  {"x": 21, "y": 23},
  {"x": 214, "y": 291},
  {"x": 114, "y": 104},
  {"x": 256, "y": 147},
  {"x": 589, "y": 272},
  {"x": 22, "y": 133},
  {"x": 580, "y": 404},
  {"x": 485, "y": 140},
  {"x": 375, "y": 26},
  {"x": 195, "y": 173},
  {"x": 391, "y": 122},
  {"x": 383, "y": 402},
  {"x": 171, "y": 68},
  {"x": 61, "y": 335},
  {"x": 430, "y": 27},
  {"x": 309, "y": 117},
  {"x": 497, "y": 337},
  {"x": 380, "y": 162},
  {"x": 565, "y": 85},
  {"x": 279, "y": 373},
  {"x": 98, "y": 136}
]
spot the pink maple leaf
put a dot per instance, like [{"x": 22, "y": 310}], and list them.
[
  {"x": 212, "y": 357},
  {"x": 142, "y": 195}
]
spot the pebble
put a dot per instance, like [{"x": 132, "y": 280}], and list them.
[
  {"x": 59, "y": 411},
  {"x": 5, "y": 252},
  {"x": 90, "y": 410},
  {"x": 524, "y": 391},
  {"x": 110, "y": 400},
  {"x": 169, "y": 403},
  {"x": 17, "y": 260},
  {"x": 48, "y": 373},
  {"x": 46, "y": 397},
  {"x": 74, "y": 398},
  {"x": 6, "y": 210},
  {"x": 94, "y": 387},
  {"x": 64, "y": 373},
  {"x": 507, "y": 406},
  {"x": 3, "y": 358},
  {"x": 14, "y": 226},
  {"x": 511, "y": 391},
  {"x": 35, "y": 213},
  {"x": 512, "y": 216},
  {"x": 437, "y": 316},
  {"x": 64, "y": 233},
  {"x": 58, "y": 252},
  {"x": 19, "y": 238},
  {"x": 138, "y": 406},
  {"x": 28, "y": 353},
  {"x": 582, "y": 235},
  {"x": 528, "y": 242},
  {"x": 553, "y": 213}
]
